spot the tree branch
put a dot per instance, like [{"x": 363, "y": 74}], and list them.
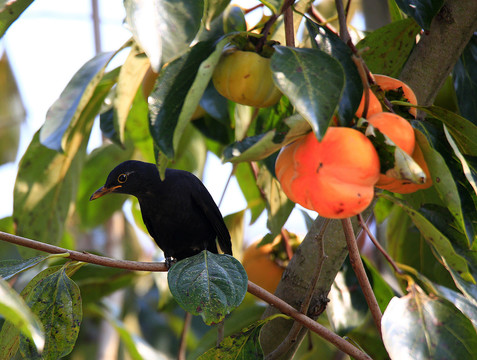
[
  {"x": 160, "y": 266},
  {"x": 435, "y": 55}
]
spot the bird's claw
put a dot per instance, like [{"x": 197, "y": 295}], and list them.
[{"x": 170, "y": 261}]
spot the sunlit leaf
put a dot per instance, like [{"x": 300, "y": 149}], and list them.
[
  {"x": 10, "y": 11},
  {"x": 63, "y": 115},
  {"x": 130, "y": 77},
  {"x": 417, "y": 326},
  {"x": 164, "y": 28},
  {"x": 213, "y": 8},
  {"x": 208, "y": 285},
  {"x": 312, "y": 80},
  {"x": 389, "y": 47},
  {"x": 274, "y": 5},
  {"x": 14, "y": 310},
  {"x": 248, "y": 184}
]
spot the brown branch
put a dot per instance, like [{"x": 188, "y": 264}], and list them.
[
  {"x": 314, "y": 326},
  {"x": 83, "y": 256},
  {"x": 357, "y": 264},
  {"x": 376, "y": 243},
  {"x": 344, "y": 33},
  {"x": 183, "y": 340},
  {"x": 289, "y": 29},
  {"x": 292, "y": 336},
  {"x": 145, "y": 266}
]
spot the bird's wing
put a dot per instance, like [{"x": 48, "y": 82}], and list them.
[{"x": 204, "y": 201}]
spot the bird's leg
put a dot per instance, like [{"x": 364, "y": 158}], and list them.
[{"x": 170, "y": 261}]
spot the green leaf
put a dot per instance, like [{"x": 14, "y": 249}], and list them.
[
  {"x": 261, "y": 146},
  {"x": 10, "y": 11},
  {"x": 423, "y": 11},
  {"x": 93, "y": 175},
  {"x": 443, "y": 179},
  {"x": 435, "y": 238},
  {"x": 274, "y": 5},
  {"x": 248, "y": 184},
  {"x": 330, "y": 43},
  {"x": 63, "y": 115},
  {"x": 47, "y": 180},
  {"x": 234, "y": 19},
  {"x": 312, "y": 80},
  {"x": 10, "y": 268},
  {"x": 243, "y": 345},
  {"x": 466, "y": 306},
  {"x": 463, "y": 131},
  {"x": 56, "y": 300},
  {"x": 164, "y": 28},
  {"x": 213, "y": 9},
  {"x": 14, "y": 310},
  {"x": 278, "y": 205},
  {"x": 130, "y": 78},
  {"x": 178, "y": 91},
  {"x": 209, "y": 285},
  {"x": 235, "y": 224},
  {"x": 417, "y": 326},
  {"x": 465, "y": 81},
  {"x": 389, "y": 47}
]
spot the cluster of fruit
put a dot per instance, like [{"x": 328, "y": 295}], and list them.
[{"x": 337, "y": 175}]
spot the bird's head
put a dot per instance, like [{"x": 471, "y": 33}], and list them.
[{"x": 129, "y": 177}]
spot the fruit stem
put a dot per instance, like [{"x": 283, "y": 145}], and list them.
[
  {"x": 357, "y": 264},
  {"x": 376, "y": 243}
]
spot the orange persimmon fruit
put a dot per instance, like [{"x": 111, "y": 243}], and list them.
[
  {"x": 334, "y": 177},
  {"x": 386, "y": 83}
]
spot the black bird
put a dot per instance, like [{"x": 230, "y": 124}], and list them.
[{"x": 179, "y": 212}]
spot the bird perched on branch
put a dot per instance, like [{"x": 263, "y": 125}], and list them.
[{"x": 179, "y": 212}]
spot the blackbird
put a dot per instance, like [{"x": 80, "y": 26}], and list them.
[{"x": 179, "y": 212}]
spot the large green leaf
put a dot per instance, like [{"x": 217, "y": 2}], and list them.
[
  {"x": 465, "y": 305},
  {"x": 463, "y": 131},
  {"x": 96, "y": 168},
  {"x": 10, "y": 10},
  {"x": 312, "y": 80},
  {"x": 164, "y": 28},
  {"x": 12, "y": 267},
  {"x": 423, "y": 11},
  {"x": 209, "y": 285},
  {"x": 435, "y": 238},
  {"x": 417, "y": 326},
  {"x": 242, "y": 345},
  {"x": 178, "y": 91},
  {"x": 130, "y": 77},
  {"x": 14, "y": 310},
  {"x": 329, "y": 42},
  {"x": 389, "y": 47},
  {"x": 47, "y": 180},
  {"x": 443, "y": 179},
  {"x": 56, "y": 300},
  {"x": 64, "y": 114},
  {"x": 465, "y": 81},
  {"x": 213, "y": 9}
]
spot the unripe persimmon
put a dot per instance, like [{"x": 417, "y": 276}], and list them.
[
  {"x": 245, "y": 78},
  {"x": 334, "y": 177}
]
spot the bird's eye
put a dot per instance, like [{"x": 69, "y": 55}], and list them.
[{"x": 122, "y": 178}]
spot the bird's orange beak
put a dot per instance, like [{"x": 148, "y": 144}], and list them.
[{"x": 103, "y": 191}]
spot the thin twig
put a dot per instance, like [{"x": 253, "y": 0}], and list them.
[
  {"x": 376, "y": 243},
  {"x": 226, "y": 185},
  {"x": 357, "y": 264},
  {"x": 344, "y": 33},
  {"x": 289, "y": 29},
  {"x": 292, "y": 336},
  {"x": 183, "y": 340},
  {"x": 254, "y": 289},
  {"x": 321, "y": 19},
  {"x": 311, "y": 324}
]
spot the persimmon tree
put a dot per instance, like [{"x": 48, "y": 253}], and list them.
[{"x": 413, "y": 292}]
